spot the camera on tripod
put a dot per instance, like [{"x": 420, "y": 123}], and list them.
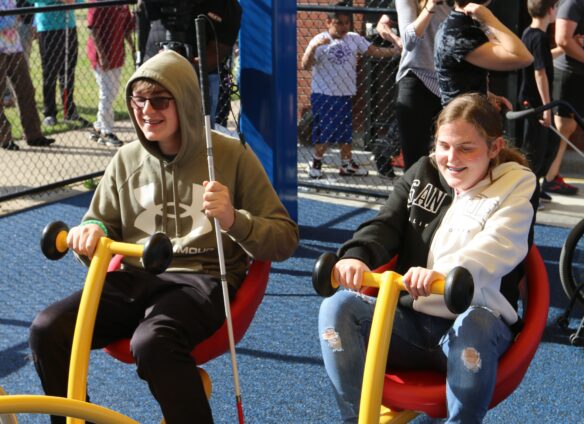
[{"x": 177, "y": 18}]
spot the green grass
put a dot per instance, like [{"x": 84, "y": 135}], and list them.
[{"x": 86, "y": 94}]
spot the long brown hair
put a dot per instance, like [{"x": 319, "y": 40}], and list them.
[{"x": 477, "y": 110}]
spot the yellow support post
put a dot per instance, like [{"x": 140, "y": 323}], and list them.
[
  {"x": 79, "y": 366},
  {"x": 378, "y": 347},
  {"x": 390, "y": 284},
  {"x": 54, "y": 405}
]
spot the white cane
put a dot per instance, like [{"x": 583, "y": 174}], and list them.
[
  {"x": 534, "y": 111},
  {"x": 563, "y": 137},
  {"x": 204, "y": 81}
]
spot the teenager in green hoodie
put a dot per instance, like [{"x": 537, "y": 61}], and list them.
[{"x": 159, "y": 183}]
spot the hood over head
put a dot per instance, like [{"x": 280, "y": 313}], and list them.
[{"x": 177, "y": 75}]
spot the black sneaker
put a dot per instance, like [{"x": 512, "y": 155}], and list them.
[
  {"x": 559, "y": 186},
  {"x": 77, "y": 120},
  {"x": 352, "y": 169},
  {"x": 544, "y": 197},
  {"x": 10, "y": 145},
  {"x": 41, "y": 141},
  {"x": 315, "y": 168},
  {"x": 94, "y": 134}
]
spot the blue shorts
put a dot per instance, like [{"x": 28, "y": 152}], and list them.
[{"x": 332, "y": 118}]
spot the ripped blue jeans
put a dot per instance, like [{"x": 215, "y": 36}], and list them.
[{"x": 467, "y": 349}]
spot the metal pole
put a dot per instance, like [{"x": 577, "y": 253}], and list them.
[{"x": 203, "y": 78}]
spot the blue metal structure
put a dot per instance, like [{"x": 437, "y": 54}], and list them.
[{"x": 268, "y": 91}]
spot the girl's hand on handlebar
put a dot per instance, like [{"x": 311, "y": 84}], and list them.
[
  {"x": 349, "y": 273},
  {"x": 83, "y": 239},
  {"x": 418, "y": 281}
]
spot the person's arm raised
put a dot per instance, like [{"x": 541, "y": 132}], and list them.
[
  {"x": 507, "y": 54},
  {"x": 308, "y": 56},
  {"x": 384, "y": 29}
]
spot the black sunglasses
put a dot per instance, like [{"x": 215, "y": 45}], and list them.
[{"x": 157, "y": 103}]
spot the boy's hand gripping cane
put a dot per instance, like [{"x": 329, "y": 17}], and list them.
[{"x": 204, "y": 81}]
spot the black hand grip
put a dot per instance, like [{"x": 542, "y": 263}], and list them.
[
  {"x": 321, "y": 274},
  {"x": 458, "y": 290},
  {"x": 49, "y": 240},
  {"x": 200, "y": 25},
  {"x": 519, "y": 114},
  {"x": 157, "y": 254}
]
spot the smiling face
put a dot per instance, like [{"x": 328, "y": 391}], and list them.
[
  {"x": 158, "y": 119},
  {"x": 463, "y": 154}
]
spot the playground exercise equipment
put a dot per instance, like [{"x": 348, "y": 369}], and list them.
[
  {"x": 572, "y": 278},
  {"x": 399, "y": 396},
  {"x": 458, "y": 288},
  {"x": 571, "y": 263},
  {"x": 156, "y": 255}
]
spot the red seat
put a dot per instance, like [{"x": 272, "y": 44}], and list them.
[
  {"x": 425, "y": 391},
  {"x": 243, "y": 308}
]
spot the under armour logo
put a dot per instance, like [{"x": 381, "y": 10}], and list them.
[{"x": 191, "y": 215}]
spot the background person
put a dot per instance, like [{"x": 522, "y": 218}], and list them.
[
  {"x": 14, "y": 68},
  {"x": 332, "y": 57},
  {"x": 159, "y": 183},
  {"x": 26, "y": 33},
  {"x": 57, "y": 34},
  {"x": 222, "y": 29},
  {"x": 109, "y": 27},
  {"x": 539, "y": 145},
  {"x": 568, "y": 86},
  {"x": 464, "y": 54},
  {"x": 418, "y": 99},
  {"x": 480, "y": 219}
]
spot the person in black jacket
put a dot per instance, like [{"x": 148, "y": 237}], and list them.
[
  {"x": 469, "y": 204},
  {"x": 464, "y": 54},
  {"x": 223, "y": 19}
]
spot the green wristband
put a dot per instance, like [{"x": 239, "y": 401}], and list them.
[{"x": 98, "y": 223}]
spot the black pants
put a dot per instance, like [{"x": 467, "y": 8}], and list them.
[
  {"x": 58, "y": 50},
  {"x": 165, "y": 316},
  {"x": 14, "y": 67},
  {"x": 416, "y": 109},
  {"x": 539, "y": 146}
]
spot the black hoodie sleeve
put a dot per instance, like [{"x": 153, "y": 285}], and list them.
[{"x": 377, "y": 240}]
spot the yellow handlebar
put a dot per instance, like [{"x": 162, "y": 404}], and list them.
[{"x": 376, "y": 279}]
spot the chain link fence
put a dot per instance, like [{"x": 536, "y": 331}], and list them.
[
  {"x": 364, "y": 116},
  {"x": 52, "y": 93}
]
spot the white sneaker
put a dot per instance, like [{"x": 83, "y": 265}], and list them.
[
  {"x": 352, "y": 169},
  {"x": 110, "y": 139},
  {"x": 315, "y": 168},
  {"x": 50, "y": 121}
]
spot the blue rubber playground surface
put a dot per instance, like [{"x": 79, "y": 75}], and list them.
[{"x": 281, "y": 371}]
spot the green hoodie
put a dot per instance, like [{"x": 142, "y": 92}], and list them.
[{"x": 142, "y": 191}]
